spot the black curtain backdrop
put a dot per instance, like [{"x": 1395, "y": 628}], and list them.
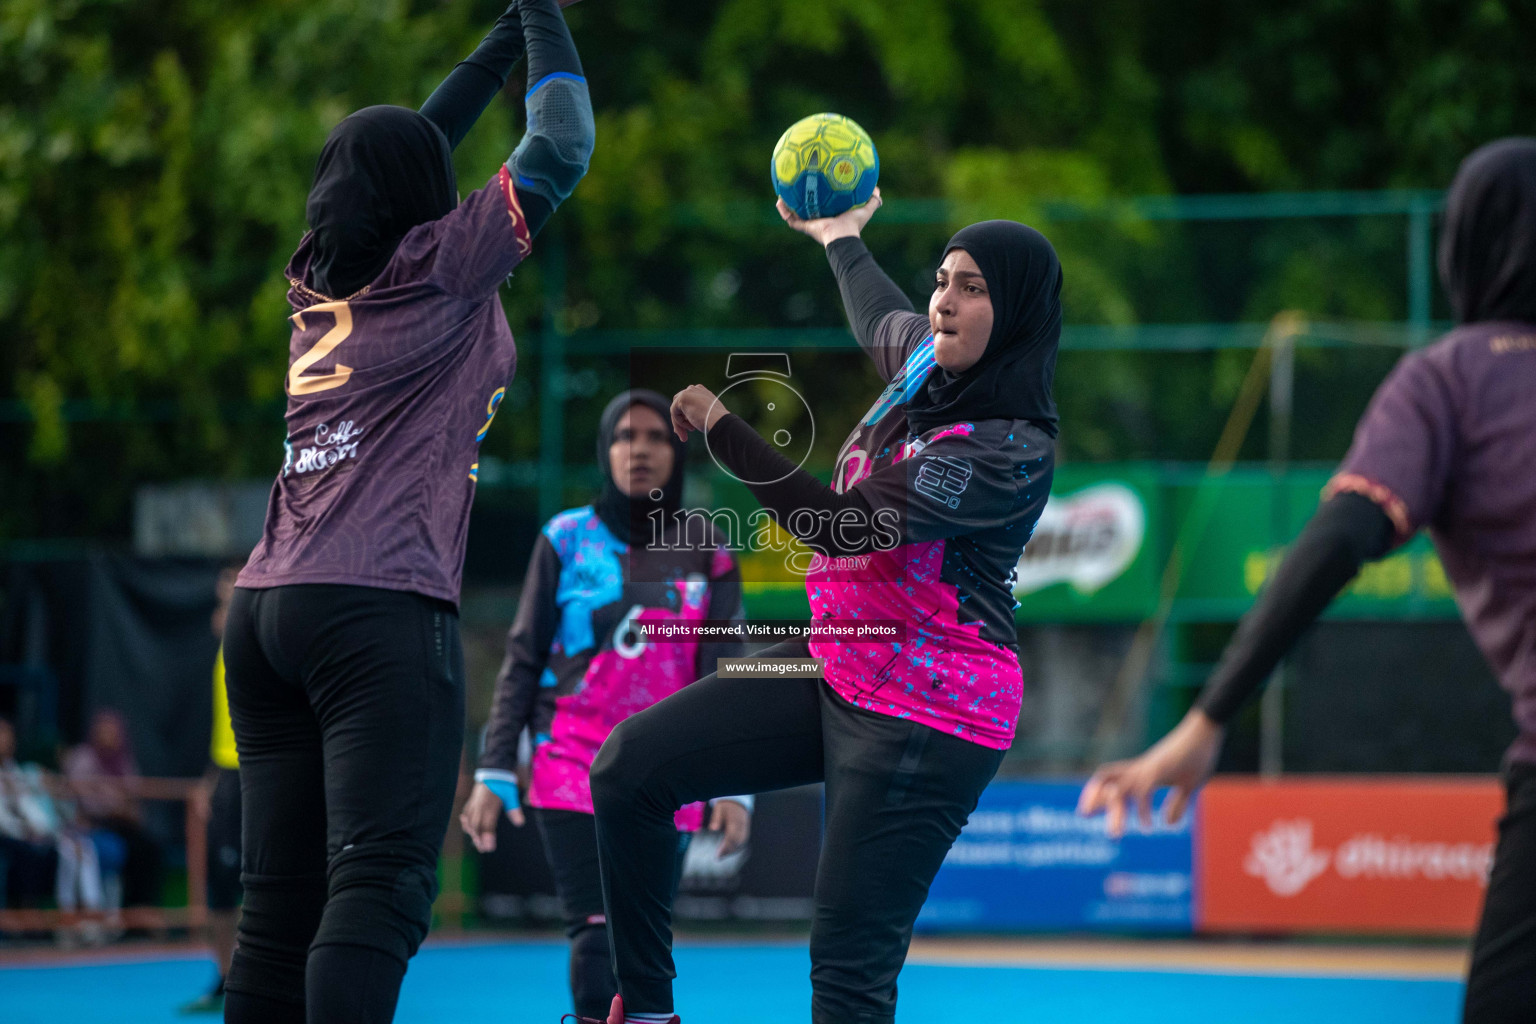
[
  {"x": 112, "y": 631},
  {"x": 1371, "y": 697}
]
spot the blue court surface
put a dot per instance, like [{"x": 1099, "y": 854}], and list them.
[{"x": 761, "y": 984}]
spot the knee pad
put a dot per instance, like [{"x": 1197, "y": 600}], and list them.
[
  {"x": 380, "y": 898},
  {"x": 592, "y": 982},
  {"x": 278, "y": 924},
  {"x": 557, "y": 146}
]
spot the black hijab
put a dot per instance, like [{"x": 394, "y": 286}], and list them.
[
  {"x": 1488, "y": 245},
  {"x": 629, "y": 518},
  {"x": 383, "y": 171},
  {"x": 1012, "y": 380}
]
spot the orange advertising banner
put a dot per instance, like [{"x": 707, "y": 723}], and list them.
[{"x": 1335, "y": 854}]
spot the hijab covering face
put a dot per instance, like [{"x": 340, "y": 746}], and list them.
[
  {"x": 1488, "y": 245},
  {"x": 383, "y": 171},
  {"x": 1012, "y": 379},
  {"x": 629, "y": 518}
]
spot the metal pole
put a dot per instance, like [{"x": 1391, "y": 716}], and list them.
[
  {"x": 1282, "y": 378},
  {"x": 552, "y": 378},
  {"x": 1420, "y": 272}
]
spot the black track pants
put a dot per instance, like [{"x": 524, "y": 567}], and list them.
[
  {"x": 898, "y": 794},
  {"x": 348, "y": 708}
]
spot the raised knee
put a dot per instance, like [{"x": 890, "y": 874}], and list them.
[{"x": 613, "y": 776}]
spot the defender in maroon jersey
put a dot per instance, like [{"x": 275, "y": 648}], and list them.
[
  {"x": 345, "y": 674},
  {"x": 1448, "y": 444}
]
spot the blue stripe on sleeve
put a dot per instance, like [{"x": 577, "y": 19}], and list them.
[{"x": 550, "y": 78}]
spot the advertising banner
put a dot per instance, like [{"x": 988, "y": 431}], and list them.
[
  {"x": 1246, "y": 520},
  {"x": 1026, "y": 861},
  {"x": 1099, "y": 551},
  {"x": 1346, "y": 855},
  {"x": 1095, "y": 551}
]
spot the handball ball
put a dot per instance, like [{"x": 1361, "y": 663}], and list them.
[{"x": 825, "y": 164}]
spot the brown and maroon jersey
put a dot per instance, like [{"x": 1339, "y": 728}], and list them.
[
  {"x": 390, "y": 392},
  {"x": 1449, "y": 443}
]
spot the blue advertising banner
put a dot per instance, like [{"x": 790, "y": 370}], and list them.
[{"x": 1026, "y": 861}]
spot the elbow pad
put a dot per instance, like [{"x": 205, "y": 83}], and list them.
[{"x": 557, "y": 147}]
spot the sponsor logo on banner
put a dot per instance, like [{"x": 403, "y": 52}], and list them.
[
  {"x": 1027, "y": 860},
  {"x": 1086, "y": 539},
  {"x": 1346, "y": 855},
  {"x": 1283, "y": 856}
]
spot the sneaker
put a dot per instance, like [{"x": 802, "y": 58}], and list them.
[{"x": 615, "y": 1016}]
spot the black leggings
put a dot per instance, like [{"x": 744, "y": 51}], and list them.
[
  {"x": 570, "y": 844},
  {"x": 1501, "y": 988},
  {"x": 897, "y": 795},
  {"x": 348, "y": 708}
]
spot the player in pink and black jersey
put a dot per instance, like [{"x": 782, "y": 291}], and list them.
[
  {"x": 935, "y": 493},
  {"x": 344, "y": 669},
  {"x": 578, "y": 663}
]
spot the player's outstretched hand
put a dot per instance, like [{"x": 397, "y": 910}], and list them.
[
  {"x": 695, "y": 408},
  {"x": 478, "y": 819},
  {"x": 826, "y": 230},
  {"x": 735, "y": 821},
  {"x": 1183, "y": 759}
]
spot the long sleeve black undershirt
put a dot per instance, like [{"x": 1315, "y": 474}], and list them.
[
  {"x": 1347, "y": 531},
  {"x": 869, "y": 294},
  {"x": 457, "y": 104},
  {"x": 536, "y": 26},
  {"x": 527, "y": 653}
]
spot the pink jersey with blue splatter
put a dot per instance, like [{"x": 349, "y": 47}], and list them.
[
  {"x": 971, "y": 494},
  {"x": 577, "y": 662}
]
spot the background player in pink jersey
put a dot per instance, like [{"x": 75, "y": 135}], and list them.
[
  {"x": 345, "y": 674},
  {"x": 935, "y": 494},
  {"x": 1448, "y": 443},
  {"x": 577, "y": 665}
]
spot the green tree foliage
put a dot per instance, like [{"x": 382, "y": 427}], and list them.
[{"x": 154, "y": 159}]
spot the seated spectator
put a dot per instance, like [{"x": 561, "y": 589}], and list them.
[
  {"x": 101, "y": 770},
  {"x": 39, "y": 845},
  {"x": 27, "y": 856}
]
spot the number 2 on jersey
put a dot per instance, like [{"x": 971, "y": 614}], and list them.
[{"x": 301, "y": 385}]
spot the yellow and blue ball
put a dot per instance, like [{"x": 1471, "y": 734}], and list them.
[{"x": 823, "y": 165}]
